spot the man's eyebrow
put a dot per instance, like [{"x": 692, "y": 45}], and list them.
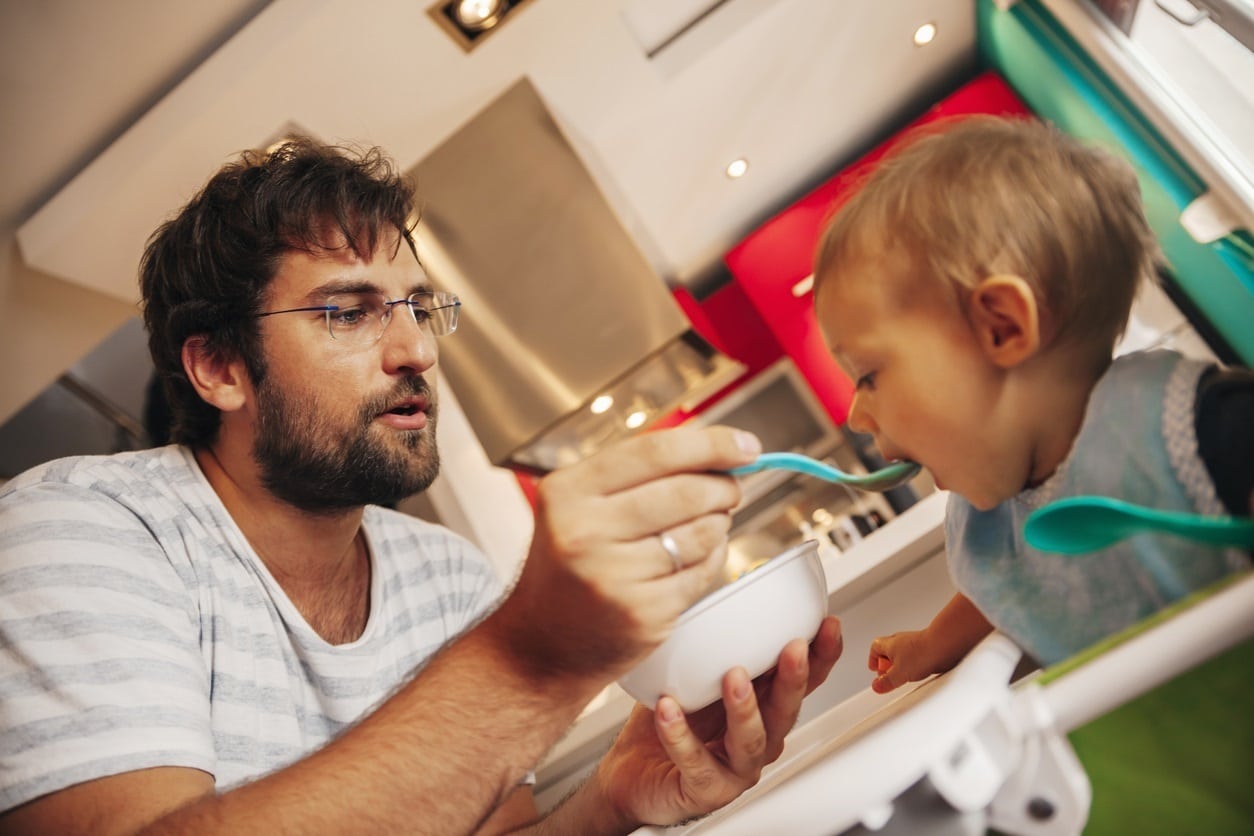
[
  {"x": 342, "y": 286},
  {"x": 333, "y": 287}
]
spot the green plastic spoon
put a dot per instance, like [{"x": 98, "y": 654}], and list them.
[
  {"x": 1081, "y": 524},
  {"x": 886, "y": 478}
]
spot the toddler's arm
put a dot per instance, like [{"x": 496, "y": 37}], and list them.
[{"x": 917, "y": 654}]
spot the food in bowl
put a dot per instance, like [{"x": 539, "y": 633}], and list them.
[{"x": 745, "y": 623}]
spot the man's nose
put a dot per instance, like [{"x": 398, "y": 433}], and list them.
[{"x": 407, "y": 344}]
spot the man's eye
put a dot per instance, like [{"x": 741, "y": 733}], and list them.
[
  {"x": 420, "y": 313},
  {"x": 348, "y": 317}
]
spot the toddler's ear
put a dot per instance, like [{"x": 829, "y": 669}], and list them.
[{"x": 1005, "y": 318}]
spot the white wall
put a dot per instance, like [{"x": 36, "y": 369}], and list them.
[{"x": 48, "y": 325}]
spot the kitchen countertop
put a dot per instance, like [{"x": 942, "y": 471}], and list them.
[{"x": 887, "y": 553}]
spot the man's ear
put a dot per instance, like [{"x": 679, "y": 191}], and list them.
[
  {"x": 219, "y": 382},
  {"x": 1006, "y": 320}
]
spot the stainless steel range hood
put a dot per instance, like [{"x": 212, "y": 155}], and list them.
[{"x": 561, "y": 307}]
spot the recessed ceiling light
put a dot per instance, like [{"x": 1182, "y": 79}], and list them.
[
  {"x": 478, "y": 15},
  {"x": 635, "y": 419},
  {"x": 737, "y": 168},
  {"x": 469, "y": 22},
  {"x": 924, "y": 34},
  {"x": 601, "y": 404}
]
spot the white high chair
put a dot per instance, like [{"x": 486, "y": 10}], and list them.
[{"x": 969, "y": 750}]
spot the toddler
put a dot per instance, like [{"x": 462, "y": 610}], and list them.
[{"x": 974, "y": 289}]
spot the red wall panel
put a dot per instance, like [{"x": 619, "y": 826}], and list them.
[{"x": 770, "y": 261}]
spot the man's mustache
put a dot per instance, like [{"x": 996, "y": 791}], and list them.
[{"x": 410, "y": 387}]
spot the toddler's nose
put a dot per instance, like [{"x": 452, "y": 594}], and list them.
[{"x": 860, "y": 419}]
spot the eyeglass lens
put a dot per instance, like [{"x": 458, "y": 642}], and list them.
[{"x": 362, "y": 317}]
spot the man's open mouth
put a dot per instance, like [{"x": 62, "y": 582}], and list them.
[{"x": 408, "y": 408}]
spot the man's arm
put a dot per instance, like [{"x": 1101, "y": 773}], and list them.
[
  {"x": 596, "y": 594},
  {"x": 437, "y": 757}
]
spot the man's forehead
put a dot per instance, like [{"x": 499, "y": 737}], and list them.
[{"x": 388, "y": 270}]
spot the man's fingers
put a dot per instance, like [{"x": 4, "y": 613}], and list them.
[
  {"x": 667, "y": 503},
  {"x": 647, "y": 457},
  {"x": 825, "y": 650},
  {"x": 678, "y": 548},
  {"x": 801, "y": 668},
  {"x": 700, "y": 772},
  {"x": 674, "y": 592},
  {"x": 788, "y": 686},
  {"x": 746, "y": 739}
]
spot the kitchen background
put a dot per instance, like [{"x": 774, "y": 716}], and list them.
[
  {"x": 118, "y": 111},
  {"x": 605, "y": 164}
]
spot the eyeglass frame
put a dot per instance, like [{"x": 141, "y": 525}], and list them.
[{"x": 389, "y": 307}]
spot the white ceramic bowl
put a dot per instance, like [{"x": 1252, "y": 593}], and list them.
[{"x": 746, "y": 623}]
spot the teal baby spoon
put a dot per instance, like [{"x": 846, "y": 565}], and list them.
[
  {"x": 1086, "y": 523},
  {"x": 886, "y": 478}
]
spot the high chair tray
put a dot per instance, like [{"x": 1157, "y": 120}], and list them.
[{"x": 993, "y": 752}]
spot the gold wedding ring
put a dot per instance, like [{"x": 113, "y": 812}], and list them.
[{"x": 672, "y": 549}]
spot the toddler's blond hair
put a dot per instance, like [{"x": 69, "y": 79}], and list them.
[{"x": 976, "y": 196}]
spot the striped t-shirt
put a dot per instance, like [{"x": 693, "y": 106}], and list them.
[{"x": 139, "y": 629}]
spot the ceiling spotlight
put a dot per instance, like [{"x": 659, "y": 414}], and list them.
[
  {"x": 924, "y": 34},
  {"x": 478, "y": 15},
  {"x": 737, "y": 168},
  {"x": 635, "y": 419},
  {"x": 601, "y": 404},
  {"x": 470, "y": 21}
]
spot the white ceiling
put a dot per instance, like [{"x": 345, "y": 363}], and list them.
[
  {"x": 796, "y": 86},
  {"x": 75, "y": 74}
]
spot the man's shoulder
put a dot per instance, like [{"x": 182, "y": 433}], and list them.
[
  {"x": 132, "y": 501},
  {"x": 107, "y": 474}
]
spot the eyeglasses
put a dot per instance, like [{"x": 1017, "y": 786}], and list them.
[{"x": 360, "y": 318}]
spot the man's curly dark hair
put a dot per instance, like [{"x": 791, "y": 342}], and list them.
[{"x": 204, "y": 272}]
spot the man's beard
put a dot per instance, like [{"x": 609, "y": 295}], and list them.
[{"x": 319, "y": 468}]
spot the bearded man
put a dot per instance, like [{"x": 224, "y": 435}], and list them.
[{"x": 233, "y": 633}]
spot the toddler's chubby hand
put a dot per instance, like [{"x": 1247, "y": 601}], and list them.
[{"x": 898, "y": 659}]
